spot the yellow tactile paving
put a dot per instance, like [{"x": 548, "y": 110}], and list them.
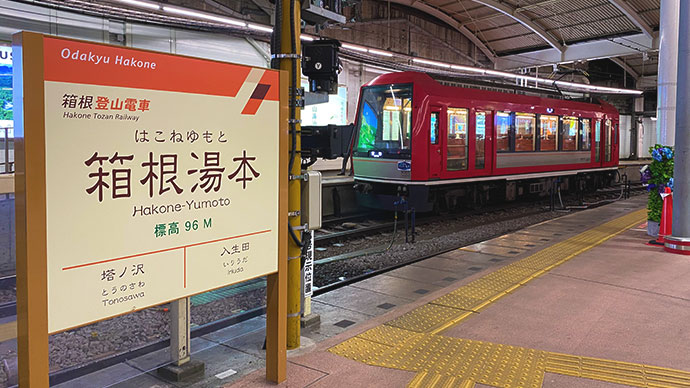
[
  {"x": 411, "y": 341},
  {"x": 636, "y": 375},
  {"x": 431, "y": 380},
  {"x": 387, "y": 335},
  {"x": 426, "y": 318}
]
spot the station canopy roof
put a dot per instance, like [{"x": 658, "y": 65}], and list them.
[
  {"x": 513, "y": 34},
  {"x": 523, "y": 33}
]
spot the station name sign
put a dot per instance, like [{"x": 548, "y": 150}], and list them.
[
  {"x": 161, "y": 177},
  {"x": 96, "y": 59}
]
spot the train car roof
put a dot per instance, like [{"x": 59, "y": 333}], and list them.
[{"x": 433, "y": 87}]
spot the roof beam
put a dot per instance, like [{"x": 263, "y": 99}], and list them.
[
  {"x": 605, "y": 48},
  {"x": 444, "y": 17},
  {"x": 226, "y": 9},
  {"x": 626, "y": 67},
  {"x": 634, "y": 17},
  {"x": 518, "y": 9},
  {"x": 513, "y": 13},
  {"x": 442, "y": 42}
]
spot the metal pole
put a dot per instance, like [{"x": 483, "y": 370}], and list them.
[
  {"x": 7, "y": 152},
  {"x": 633, "y": 132},
  {"x": 681, "y": 170},
  {"x": 668, "y": 72},
  {"x": 292, "y": 67}
]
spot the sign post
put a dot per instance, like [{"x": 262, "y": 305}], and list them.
[{"x": 142, "y": 178}]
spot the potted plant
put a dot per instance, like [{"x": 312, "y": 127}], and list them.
[{"x": 657, "y": 175}]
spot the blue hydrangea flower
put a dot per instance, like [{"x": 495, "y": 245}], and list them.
[
  {"x": 670, "y": 183},
  {"x": 657, "y": 155},
  {"x": 651, "y": 186},
  {"x": 668, "y": 153}
]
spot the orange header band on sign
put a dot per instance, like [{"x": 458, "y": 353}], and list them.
[{"x": 94, "y": 64}]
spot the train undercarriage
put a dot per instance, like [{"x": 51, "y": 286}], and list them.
[{"x": 438, "y": 198}]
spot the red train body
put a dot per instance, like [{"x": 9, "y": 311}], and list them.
[{"x": 428, "y": 140}]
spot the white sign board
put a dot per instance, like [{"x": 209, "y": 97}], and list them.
[
  {"x": 5, "y": 55},
  {"x": 161, "y": 178},
  {"x": 309, "y": 268}
]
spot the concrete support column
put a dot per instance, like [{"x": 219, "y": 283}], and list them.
[
  {"x": 182, "y": 366},
  {"x": 180, "y": 331},
  {"x": 681, "y": 169},
  {"x": 668, "y": 72}
]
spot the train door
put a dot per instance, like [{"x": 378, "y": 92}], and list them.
[
  {"x": 610, "y": 143},
  {"x": 598, "y": 149},
  {"x": 456, "y": 134},
  {"x": 435, "y": 158},
  {"x": 483, "y": 140}
]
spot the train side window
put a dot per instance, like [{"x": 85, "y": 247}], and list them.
[
  {"x": 433, "y": 126},
  {"x": 457, "y": 139},
  {"x": 525, "y": 131},
  {"x": 570, "y": 138},
  {"x": 597, "y": 141},
  {"x": 549, "y": 133},
  {"x": 585, "y": 134},
  {"x": 480, "y": 140},
  {"x": 607, "y": 144},
  {"x": 503, "y": 125}
]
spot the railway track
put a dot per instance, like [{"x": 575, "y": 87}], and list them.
[{"x": 358, "y": 225}]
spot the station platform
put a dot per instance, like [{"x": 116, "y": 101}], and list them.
[{"x": 579, "y": 301}]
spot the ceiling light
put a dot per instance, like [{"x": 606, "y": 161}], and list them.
[
  {"x": 353, "y": 47},
  {"x": 143, "y": 4},
  {"x": 500, "y": 74},
  {"x": 379, "y": 52},
  {"x": 467, "y": 68},
  {"x": 259, "y": 27},
  {"x": 432, "y": 63},
  {"x": 206, "y": 16}
]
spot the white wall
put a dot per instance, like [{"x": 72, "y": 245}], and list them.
[
  {"x": 647, "y": 136},
  {"x": 624, "y": 132}
]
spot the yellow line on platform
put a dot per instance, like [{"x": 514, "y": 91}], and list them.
[
  {"x": 412, "y": 342},
  {"x": 8, "y": 331}
]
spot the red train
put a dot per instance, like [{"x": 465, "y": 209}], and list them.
[{"x": 442, "y": 146}]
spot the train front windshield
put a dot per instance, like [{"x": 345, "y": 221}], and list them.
[{"x": 385, "y": 122}]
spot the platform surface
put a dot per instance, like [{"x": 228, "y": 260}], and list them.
[{"x": 579, "y": 301}]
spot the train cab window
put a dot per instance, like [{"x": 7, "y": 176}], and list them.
[
  {"x": 385, "y": 122},
  {"x": 457, "y": 139},
  {"x": 503, "y": 126},
  {"x": 433, "y": 127},
  {"x": 548, "y": 140},
  {"x": 570, "y": 136},
  {"x": 525, "y": 131},
  {"x": 597, "y": 141},
  {"x": 609, "y": 136},
  {"x": 585, "y": 135},
  {"x": 480, "y": 140}
]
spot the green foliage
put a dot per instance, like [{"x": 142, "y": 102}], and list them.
[
  {"x": 5, "y": 98},
  {"x": 661, "y": 173},
  {"x": 654, "y": 206}
]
